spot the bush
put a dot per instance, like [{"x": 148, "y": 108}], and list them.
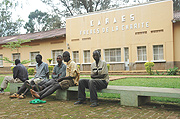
[
  {"x": 31, "y": 71},
  {"x": 12, "y": 68},
  {"x": 78, "y": 66},
  {"x": 50, "y": 69},
  {"x": 157, "y": 72},
  {"x": 49, "y": 60},
  {"x": 148, "y": 67},
  {"x": 108, "y": 66},
  {"x": 172, "y": 71}
]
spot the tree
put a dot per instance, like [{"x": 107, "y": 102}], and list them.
[
  {"x": 7, "y": 26},
  {"x": 42, "y": 21},
  {"x": 74, "y": 7},
  {"x": 15, "y": 46}
]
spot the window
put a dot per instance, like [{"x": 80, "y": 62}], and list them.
[
  {"x": 1, "y": 61},
  {"x": 141, "y": 53},
  {"x": 87, "y": 56},
  {"x": 158, "y": 52},
  {"x": 55, "y": 53},
  {"x": 33, "y": 56},
  {"x": 15, "y": 56},
  {"x": 76, "y": 56},
  {"x": 113, "y": 55}
]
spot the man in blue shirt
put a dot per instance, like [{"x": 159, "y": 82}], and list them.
[{"x": 42, "y": 73}]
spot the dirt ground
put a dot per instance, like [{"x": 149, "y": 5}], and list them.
[{"x": 108, "y": 109}]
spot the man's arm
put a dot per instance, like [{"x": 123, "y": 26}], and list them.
[
  {"x": 15, "y": 72},
  {"x": 94, "y": 76},
  {"x": 47, "y": 75}
]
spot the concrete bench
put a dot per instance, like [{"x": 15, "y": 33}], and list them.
[
  {"x": 130, "y": 95},
  {"x": 14, "y": 87}
]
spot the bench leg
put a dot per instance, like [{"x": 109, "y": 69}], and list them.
[
  {"x": 66, "y": 95},
  {"x": 14, "y": 87},
  {"x": 129, "y": 99},
  {"x": 132, "y": 99}
]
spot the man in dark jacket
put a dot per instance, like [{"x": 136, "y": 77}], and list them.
[{"x": 20, "y": 74}]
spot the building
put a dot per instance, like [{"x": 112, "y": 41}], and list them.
[
  {"x": 127, "y": 37},
  {"x": 49, "y": 44}
]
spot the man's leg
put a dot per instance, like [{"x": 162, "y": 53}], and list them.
[
  {"x": 83, "y": 83},
  {"x": 95, "y": 85},
  {"x": 5, "y": 82},
  {"x": 52, "y": 88},
  {"x": 47, "y": 91}
]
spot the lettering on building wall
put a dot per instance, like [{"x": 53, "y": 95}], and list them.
[{"x": 120, "y": 25}]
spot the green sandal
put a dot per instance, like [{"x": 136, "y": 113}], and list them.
[{"x": 37, "y": 101}]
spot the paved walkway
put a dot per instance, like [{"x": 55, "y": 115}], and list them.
[{"x": 108, "y": 109}]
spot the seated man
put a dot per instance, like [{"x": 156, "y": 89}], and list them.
[
  {"x": 71, "y": 79},
  {"x": 99, "y": 80},
  {"x": 42, "y": 73},
  {"x": 20, "y": 74},
  {"x": 58, "y": 72}
]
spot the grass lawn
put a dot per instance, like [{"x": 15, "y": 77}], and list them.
[{"x": 145, "y": 82}]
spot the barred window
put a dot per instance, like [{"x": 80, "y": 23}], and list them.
[
  {"x": 15, "y": 56},
  {"x": 76, "y": 56},
  {"x": 55, "y": 53},
  {"x": 33, "y": 57},
  {"x": 158, "y": 52},
  {"x": 113, "y": 55},
  {"x": 141, "y": 53},
  {"x": 87, "y": 56}
]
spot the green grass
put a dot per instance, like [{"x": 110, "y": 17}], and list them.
[{"x": 145, "y": 82}]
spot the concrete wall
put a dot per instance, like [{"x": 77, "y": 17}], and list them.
[{"x": 147, "y": 25}]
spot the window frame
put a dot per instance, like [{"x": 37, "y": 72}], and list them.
[
  {"x": 54, "y": 62},
  {"x": 77, "y": 58},
  {"x": 115, "y": 55}
]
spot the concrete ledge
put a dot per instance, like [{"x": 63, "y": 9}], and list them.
[
  {"x": 130, "y": 95},
  {"x": 14, "y": 87}
]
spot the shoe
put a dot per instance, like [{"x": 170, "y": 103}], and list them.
[
  {"x": 79, "y": 102},
  {"x": 94, "y": 104},
  {"x": 1, "y": 92},
  {"x": 22, "y": 96},
  {"x": 15, "y": 95}
]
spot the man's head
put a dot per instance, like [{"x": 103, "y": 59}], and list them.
[
  {"x": 96, "y": 55},
  {"x": 38, "y": 58},
  {"x": 17, "y": 61},
  {"x": 59, "y": 59},
  {"x": 66, "y": 56}
]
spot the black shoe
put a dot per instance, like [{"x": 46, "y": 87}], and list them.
[
  {"x": 79, "y": 102},
  {"x": 94, "y": 104}
]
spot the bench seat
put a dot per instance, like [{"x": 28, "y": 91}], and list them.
[{"x": 129, "y": 95}]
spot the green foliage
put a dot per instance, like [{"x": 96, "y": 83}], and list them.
[
  {"x": 12, "y": 68},
  {"x": 15, "y": 45},
  {"x": 49, "y": 60},
  {"x": 50, "y": 69},
  {"x": 148, "y": 67},
  {"x": 7, "y": 25},
  {"x": 157, "y": 72},
  {"x": 31, "y": 71},
  {"x": 108, "y": 66},
  {"x": 7, "y": 60},
  {"x": 172, "y": 71},
  {"x": 42, "y": 21},
  {"x": 78, "y": 66}
]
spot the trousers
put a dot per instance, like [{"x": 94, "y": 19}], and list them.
[
  {"x": 9, "y": 79},
  {"x": 93, "y": 85}
]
